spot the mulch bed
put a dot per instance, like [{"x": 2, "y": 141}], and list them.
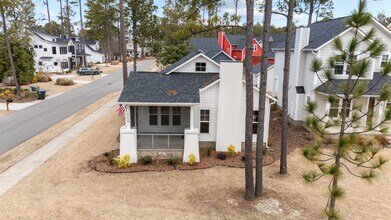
[{"x": 101, "y": 163}]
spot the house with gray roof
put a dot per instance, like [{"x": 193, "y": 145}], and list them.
[
  {"x": 196, "y": 102},
  {"x": 62, "y": 53},
  {"x": 316, "y": 41}
]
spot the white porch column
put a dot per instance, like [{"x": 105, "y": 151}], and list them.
[
  {"x": 128, "y": 138},
  {"x": 191, "y": 117},
  {"x": 191, "y": 145}
]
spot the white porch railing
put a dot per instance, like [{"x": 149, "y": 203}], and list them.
[{"x": 160, "y": 141}]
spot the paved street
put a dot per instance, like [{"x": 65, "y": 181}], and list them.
[{"x": 22, "y": 125}]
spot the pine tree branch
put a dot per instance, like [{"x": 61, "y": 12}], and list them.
[{"x": 351, "y": 172}]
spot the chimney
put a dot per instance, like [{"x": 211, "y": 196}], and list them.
[
  {"x": 230, "y": 106},
  {"x": 220, "y": 38}
]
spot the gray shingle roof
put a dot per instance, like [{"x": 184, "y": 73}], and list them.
[
  {"x": 161, "y": 88},
  {"x": 376, "y": 84},
  {"x": 204, "y": 44},
  {"x": 257, "y": 67},
  {"x": 220, "y": 57},
  {"x": 320, "y": 33}
]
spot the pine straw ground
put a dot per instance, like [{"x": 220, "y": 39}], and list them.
[{"x": 65, "y": 187}]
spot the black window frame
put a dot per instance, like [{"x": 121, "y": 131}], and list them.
[
  {"x": 255, "y": 121},
  {"x": 153, "y": 116},
  {"x": 45, "y": 49},
  {"x": 176, "y": 116},
  {"x": 200, "y": 66},
  {"x": 205, "y": 121},
  {"x": 63, "y": 50},
  {"x": 165, "y": 116},
  {"x": 54, "y": 50}
]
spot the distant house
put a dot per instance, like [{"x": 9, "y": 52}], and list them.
[
  {"x": 62, "y": 53},
  {"x": 316, "y": 41},
  {"x": 212, "y": 49},
  {"x": 197, "y": 102}
]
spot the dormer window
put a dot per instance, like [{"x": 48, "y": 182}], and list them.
[
  {"x": 384, "y": 60},
  {"x": 200, "y": 67}
]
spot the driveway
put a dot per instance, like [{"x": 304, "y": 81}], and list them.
[{"x": 22, "y": 125}]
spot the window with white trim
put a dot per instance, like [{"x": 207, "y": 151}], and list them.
[
  {"x": 255, "y": 121},
  {"x": 384, "y": 60},
  {"x": 200, "y": 67},
  {"x": 336, "y": 108},
  {"x": 255, "y": 48},
  {"x": 152, "y": 115},
  {"x": 165, "y": 116},
  {"x": 339, "y": 65},
  {"x": 63, "y": 50},
  {"x": 204, "y": 120},
  {"x": 64, "y": 65},
  {"x": 176, "y": 116}
]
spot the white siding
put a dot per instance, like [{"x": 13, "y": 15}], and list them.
[
  {"x": 190, "y": 67},
  {"x": 208, "y": 100}
]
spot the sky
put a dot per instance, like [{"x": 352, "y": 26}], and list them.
[{"x": 341, "y": 8}]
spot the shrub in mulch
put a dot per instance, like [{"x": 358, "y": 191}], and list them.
[
  {"x": 382, "y": 140},
  {"x": 64, "y": 82},
  {"x": 41, "y": 77},
  {"x": 101, "y": 163}
]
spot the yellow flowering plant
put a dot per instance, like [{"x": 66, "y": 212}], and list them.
[
  {"x": 192, "y": 159},
  {"x": 231, "y": 150},
  {"x": 123, "y": 161}
]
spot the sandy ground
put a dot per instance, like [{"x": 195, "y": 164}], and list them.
[{"x": 66, "y": 188}]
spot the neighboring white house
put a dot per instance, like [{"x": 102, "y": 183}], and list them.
[
  {"x": 198, "y": 101},
  {"x": 61, "y": 53},
  {"x": 316, "y": 41}
]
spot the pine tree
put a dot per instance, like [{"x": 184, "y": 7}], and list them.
[{"x": 350, "y": 154}]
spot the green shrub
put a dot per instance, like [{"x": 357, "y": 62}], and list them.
[
  {"x": 192, "y": 159},
  {"x": 28, "y": 94},
  {"x": 221, "y": 156},
  {"x": 210, "y": 150},
  {"x": 64, "y": 82},
  {"x": 111, "y": 158},
  {"x": 147, "y": 159},
  {"x": 231, "y": 150},
  {"x": 123, "y": 161},
  {"x": 173, "y": 160}
]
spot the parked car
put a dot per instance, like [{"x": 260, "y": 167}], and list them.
[{"x": 88, "y": 71}]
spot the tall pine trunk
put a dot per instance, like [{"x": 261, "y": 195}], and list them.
[
  {"x": 48, "y": 11},
  {"x": 134, "y": 27},
  {"x": 123, "y": 42},
  {"x": 285, "y": 90},
  {"x": 7, "y": 40},
  {"x": 311, "y": 11},
  {"x": 249, "y": 178},
  {"x": 82, "y": 34},
  {"x": 61, "y": 18},
  {"x": 107, "y": 34},
  {"x": 68, "y": 18},
  {"x": 262, "y": 97}
]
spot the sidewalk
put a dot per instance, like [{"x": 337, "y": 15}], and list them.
[{"x": 21, "y": 169}]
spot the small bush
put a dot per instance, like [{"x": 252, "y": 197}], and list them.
[
  {"x": 30, "y": 95},
  {"x": 147, "y": 159},
  {"x": 111, "y": 158},
  {"x": 64, "y": 82},
  {"x": 231, "y": 150},
  {"x": 34, "y": 80},
  {"x": 123, "y": 161},
  {"x": 243, "y": 158},
  {"x": 114, "y": 62},
  {"x": 106, "y": 154},
  {"x": 43, "y": 77},
  {"x": 221, "y": 156},
  {"x": 192, "y": 159},
  {"x": 382, "y": 140},
  {"x": 173, "y": 160},
  {"x": 210, "y": 150}
]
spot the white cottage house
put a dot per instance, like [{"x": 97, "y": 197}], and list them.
[
  {"x": 198, "y": 101},
  {"x": 316, "y": 41},
  {"x": 61, "y": 53}
]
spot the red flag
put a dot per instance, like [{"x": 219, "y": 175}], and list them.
[{"x": 121, "y": 110}]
